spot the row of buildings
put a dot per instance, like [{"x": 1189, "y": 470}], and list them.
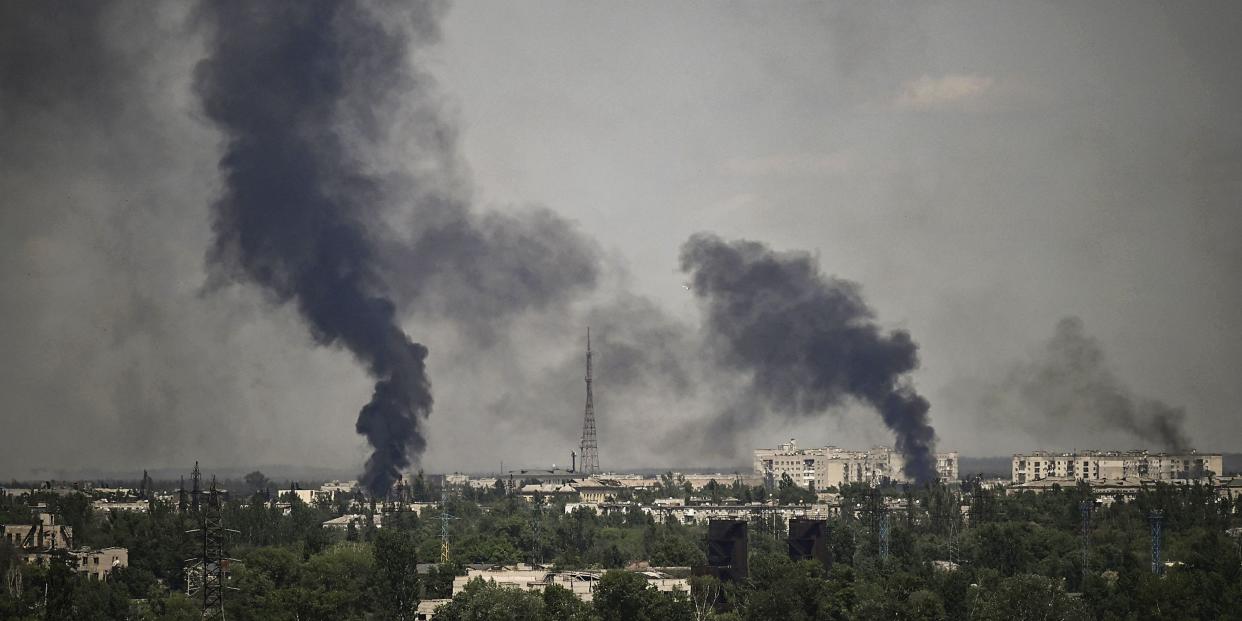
[
  {"x": 1116, "y": 465},
  {"x": 44, "y": 539},
  {"x": 824, "y": 467}
]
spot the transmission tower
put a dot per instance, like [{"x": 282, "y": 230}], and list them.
[
  {"x": 537, "y": 518},
  {"x": 207, "y": 574},
  {"x": 1156, "y": 519},
  {"x": 953, "y": 519},
  {"x": 878, "y": 516},
  {"x": 589, "y": 448},
  {"x": 445, "y": 518},
  {"x": 884, "y": 534},
  {"x": 1085, "y": 508}
]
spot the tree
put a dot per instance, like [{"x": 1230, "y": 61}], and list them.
[
  {"x": 485, "y": 601},
  {"x": 1026, "y": 597},
  {"x": 560, "y": 603},
  {"x": 626, "y": 596},
  {"x": 256, "y": 482},
  {"x": 396, "y": 574}
]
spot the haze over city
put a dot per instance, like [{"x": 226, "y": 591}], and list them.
[{"x": 1029, "y": 214}]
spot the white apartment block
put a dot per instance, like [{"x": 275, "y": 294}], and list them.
[
  {"x": 830, "y": 466},
  {"x": 1112, "y": 465}
]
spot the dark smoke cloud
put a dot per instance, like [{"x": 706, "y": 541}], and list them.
[
  {"x": 297, "y": 212},
  {"x": 1069, "y": 382},
  {"x": 809, "y": 342},
  {"x": 481, "y": 270},
  {"x": 315, "y": 211}
]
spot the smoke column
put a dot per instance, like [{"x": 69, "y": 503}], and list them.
[
  {"x": 1069, "y": 381},
  {"x": 808, "y": 341},
  {"x": 299, "y": 213}
]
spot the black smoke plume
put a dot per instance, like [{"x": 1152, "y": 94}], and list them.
[
  {"x": 300, "y": 214},
  {"x": 807, "y": 341},
  {"x": 1069, "y": 381}
]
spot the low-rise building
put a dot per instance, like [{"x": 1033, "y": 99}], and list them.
[
  {"x": 358, "y": 520},
  {"x": 580, "y": 583},
  {"x": 137, "y": 506},
  {"x": 598, "y": 490},
  {"x": 547, "y": 491},
  {"x": 758, "y": 513},
  {"x": 99, "y": 564}
]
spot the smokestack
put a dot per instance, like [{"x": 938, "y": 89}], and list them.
[
  {"x": 808, "y": 342},
  {"x": 298, "y": 211}
]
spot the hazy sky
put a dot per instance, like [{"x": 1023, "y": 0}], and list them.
[{"x": 982, "y": 170}]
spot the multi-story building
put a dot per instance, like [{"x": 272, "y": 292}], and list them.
[
  {"x": 43, "y": 535},
  {"x": 98, "y": 564},
  {"x": 1111, "y": 465},
  {"x": 831, "y": 466}
]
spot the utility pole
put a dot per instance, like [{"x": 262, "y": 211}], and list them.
[{"x": 589, "y": 448}]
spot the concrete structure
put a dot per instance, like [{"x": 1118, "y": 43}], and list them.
[
  {"x": 44, "y": 535},
  {"x": 580, "y": 583},
  {"x": 702, "y": 513},
  {"x": 342, "y": 487},
  {"x": 1109, "y": 465},
  {"x": 98, "y": 564},
  {"x": 1230, "y": 488},
  {"x": 598, "y": 490},
  {"x": 104, "y": 506},
  {"x": 547, "y": 491},
  {"x": 359, "y": 521},
  {"x": 832, "y": 467}
]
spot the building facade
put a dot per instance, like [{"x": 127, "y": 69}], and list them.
[
  {"x": 830, "y": 466},
  {"x": 1112, "y": 465},
  {"x": 98, "y": 564}
]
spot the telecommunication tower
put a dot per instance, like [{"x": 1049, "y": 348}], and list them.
[{"x": 589, "y": 448}]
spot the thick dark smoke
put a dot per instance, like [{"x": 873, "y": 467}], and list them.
[
  {"x": 298, "y": 213},
  {"x": 809, "y": 342},
  {"x": 1069, "y": 382},
  {"x": 321, "y": 208}
]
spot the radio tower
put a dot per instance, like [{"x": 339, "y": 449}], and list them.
[{"x": 589, "y": 449}]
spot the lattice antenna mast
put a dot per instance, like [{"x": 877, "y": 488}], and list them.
[{"x": 589, "y": 448}]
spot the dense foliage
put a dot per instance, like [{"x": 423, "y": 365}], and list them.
[{"x": 1014, "y": 556}]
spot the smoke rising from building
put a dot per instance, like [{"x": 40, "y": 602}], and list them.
[
  {"x": 109, "y": 165},
  {"x": 809, "y": 342},
  {"x": 1069, "y": 381},
  {"x": 305, "y": 93},
  {"x": 297, "y": 212}
]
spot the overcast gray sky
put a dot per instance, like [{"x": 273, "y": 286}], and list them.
[{"x": 983, "y": 170}]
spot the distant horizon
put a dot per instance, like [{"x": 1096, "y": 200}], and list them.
[{"x": 293, "y": 473}]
